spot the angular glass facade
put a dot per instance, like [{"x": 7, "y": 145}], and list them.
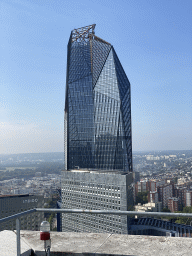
[{"x": 97, "y": 106}]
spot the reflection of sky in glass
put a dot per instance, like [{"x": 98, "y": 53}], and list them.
[{"x": 99, "y": 108}]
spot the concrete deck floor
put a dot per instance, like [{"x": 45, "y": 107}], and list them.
[
  {"x": 96, "y": 244},
  {"x": 8, "y": 246}
]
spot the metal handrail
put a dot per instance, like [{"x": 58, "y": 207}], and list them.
[
  {"x": 128, "y": 213},
  {"x": 17, "y": 215}
]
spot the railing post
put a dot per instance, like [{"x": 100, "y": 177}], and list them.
[{"x": 18, "y": 237}]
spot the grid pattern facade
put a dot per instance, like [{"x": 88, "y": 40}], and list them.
[
  {"x": 95, "y": 191},
  {"x": 10, "y": 205},
  {"x": 97, "y": 106}
]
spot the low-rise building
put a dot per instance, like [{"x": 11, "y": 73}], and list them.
[
  {"x": 149, "y": 207},
  {"x": 12, "y": 204}
]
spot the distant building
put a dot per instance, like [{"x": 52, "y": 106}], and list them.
[
  {"x": 149, "y": 207},
  {"x": 180, "y": 193},
  {"x": 136, "y": 177},
  {"x": 144, "y": 186},
  {"x": 140, "y": 186},
  {"x": 152, "y": 186},
  {"x": 12, "y": 204},
  {"x": 188, "y": 198},
  {"x": 164, "y": 192},
  {"x": 181, "y": 181},
  {"x": 173, "y": 204},
  {"x": 153, "y": 197}
]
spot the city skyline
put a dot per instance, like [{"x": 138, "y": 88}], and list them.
[{"x": 152, "y": 40}]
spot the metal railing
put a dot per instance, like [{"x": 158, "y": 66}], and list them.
[
  {"x": 128, "y": 213},
  {"x": 17, "y": 216}
]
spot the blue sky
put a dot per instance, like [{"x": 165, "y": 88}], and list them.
[{"x": 153, "y": 40}]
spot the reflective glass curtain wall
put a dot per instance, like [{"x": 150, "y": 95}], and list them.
[{"x": 97, "y": 105}]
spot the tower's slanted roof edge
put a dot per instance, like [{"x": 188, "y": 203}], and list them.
[{"x": 83, "y": 33}]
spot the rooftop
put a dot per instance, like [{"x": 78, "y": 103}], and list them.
[
  {"x": 95, "y": 244},
  {"x": 20, "y": 195},
  {"x": 83, "y": 33}
]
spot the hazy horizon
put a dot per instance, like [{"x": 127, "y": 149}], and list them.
[
  {"x": 152, "y": 40},
  {"x": 134, "y": 151}
]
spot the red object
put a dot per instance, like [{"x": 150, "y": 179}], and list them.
[{"x": 44, "y": 236}]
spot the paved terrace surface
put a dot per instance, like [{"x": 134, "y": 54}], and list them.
[
  {"x": 96, "y": 244},
  {"x": 8, "y": 246}
]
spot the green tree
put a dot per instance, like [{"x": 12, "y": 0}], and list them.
[
  {"x": 185, "y": 220},
  {"x": 51, "y": 220},
  {"x": 165, "y": 210},
  {"x": 52, "y": 203},
  {"x": 142, "y": 197}
]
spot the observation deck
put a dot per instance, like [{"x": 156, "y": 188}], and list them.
[
  {"x": 97, "y": 244},
  {"x": 28, "y": 243}
]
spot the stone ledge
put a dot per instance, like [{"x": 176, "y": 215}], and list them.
[
  {"x": 94, "y": 244},
  {"x": 109, "y": 244}
]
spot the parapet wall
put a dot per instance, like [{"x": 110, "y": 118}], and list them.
[
  {"x": 90, "y": 244},
  {"x": 109, "y": 244}
]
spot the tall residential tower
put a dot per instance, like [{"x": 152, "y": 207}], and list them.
[{"x": 97, "y": 133}]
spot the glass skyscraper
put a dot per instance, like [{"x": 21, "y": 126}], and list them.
[
  {"x": 97, "y": 106},
  {"x": 97, "y": 127}
]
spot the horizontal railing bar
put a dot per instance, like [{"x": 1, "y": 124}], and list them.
[
  {"x": 17, "y": 215},
  {"x": 159, "y": 214},
  {"x": 128, "y": 213}
]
